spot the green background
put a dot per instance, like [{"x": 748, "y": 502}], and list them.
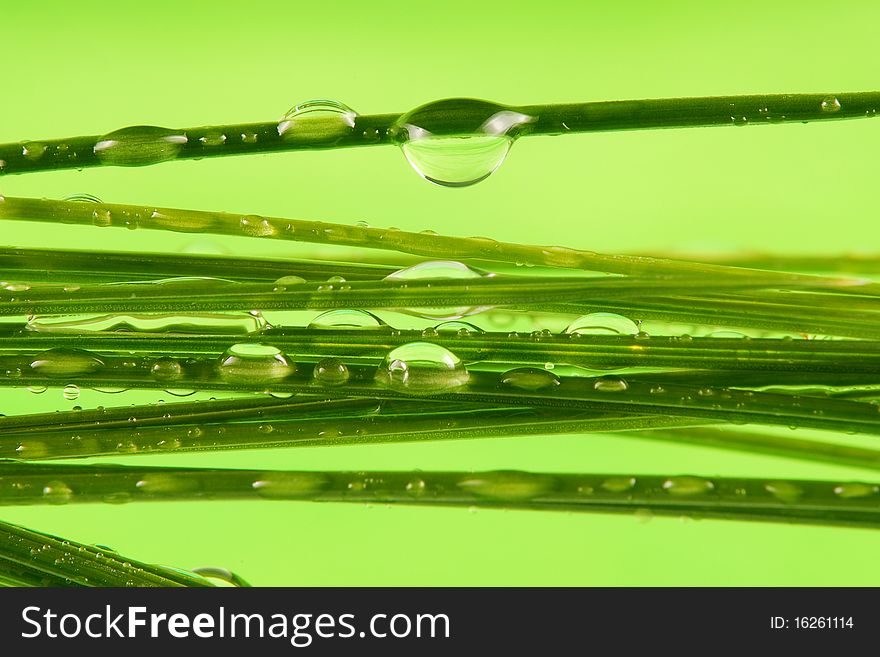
[{"x": 90, "y": 67}]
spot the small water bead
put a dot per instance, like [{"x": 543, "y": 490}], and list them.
[
  {"x": 416, "y": 487},
  {"x": 57, "y": 492},
  {"x": 33, "y": 150},
  {"x": 160, "y": 483},
  {"x": 855, "y": 490},
  {"x": 784, "y": 490},
  {"x": 510, "y": 486},
  {"x": 610, "y": 384},
  {"x": 289, "y": 485},
  {"x": 213, "y": 139},
  {"x": 139, "y": 145},
  {"x": 286, "y": 282},
  {"x": 70, "y": 392},
  {"x": 255, "y": 363},
  {"x": 726, "y": 334},
  {"x": 687, "y": 485},
  {"x": 529, "y": 378},
  {"x": 602, "y": 324},
  {"x": 422, "y": 368},
  {"x": 619, "y": 484},
  {"x": 331, "y": 372},
  {"x": 830, "y": 104},
  {"x": 346, "y": 319},
  {"x": 66, "y": 362},
  {"x": 166, "y": 369},
  {"x": 257, "y": 226},
  {"x": 459, "y": 141},
  {"x": 326, "y": 121},
  {"x": 37, "y": 390}
]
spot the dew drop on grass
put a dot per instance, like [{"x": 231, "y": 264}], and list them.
[
  {"x": 830, "y": 104},
  {"x": 687, "y": 485},
  {"x": 166, "y": 369},
  {"x": 457, "y": 142},
  {"x": 289, "y": 485},
  {"x": 139, "y": 145},
  {"x": 508, "y": 486},
  {"x": 619, "y": 484},
  {"x": 784, "y": 490},
  {"x": 610, "y": 384},
  {"x": 855, "y": 490},
  {"x": 70, "y": 392},
  {"x": 66, "y": 362},
  {"x": 330, "y": 372},
  {"x": 422, "y": 368},
  {"x": 458, "y": 327},
  {"x": 440, "y": 270},
  {"x": 160, "y": 483},
  {"x": 325, "y": 121},
  {"x": 346, "y": 319},
  {"x": 602, "y": 324},
  {"x": 83, "y": 198},
  {"x": 529, "y": 378},
  {"x": 57, "y": 492},
  {"x": 254, "y": 363}
]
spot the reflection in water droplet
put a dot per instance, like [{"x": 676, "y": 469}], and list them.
[
  {"x": 66, "y": 362},
  {"x": 422, "y": 368},
  {"x": 326, "y": 121},
  {"x": 687, "y": 486},
  {"x": 830, "y": 104},
  {"x": 529, "y": 378},
  {"x": 507, "y": 485},
  {"x": 330, "y": 372},
  {"x": 610, "y": 384},
  {"x": 139, "y": 145},
  {"x": 440, "y": 270},
  {"x": 459, "y": 141},
  {"x": 70, "y": 392},
  {"x": 346, "y": 319},
  {"x": 289, "y": 485},
  {"x": 166, "y": 369},
  {"x": 57, "y": 492},
  {"x": 254, "y": 363},
  {"x": 602, "y": 324}
]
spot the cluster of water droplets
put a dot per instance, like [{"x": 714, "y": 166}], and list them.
[{"x": 459, "y": 141}]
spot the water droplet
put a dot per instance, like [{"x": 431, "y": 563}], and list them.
[
  {"x": 529, "y": 378},
  {"x": 830, "y": 104},
  {"x": 255, "y": 363},
  {"x": 346, "y": 319},
  {"x": 166, "y": 369},
  {"x": 330, "y": 372},
  {"x": 139, "y": 145},
  {"x": 854, "y": 490},
  {"x": 37, "y": 390},
  {"x": 422, "y": 368},
  {"x": 160, "y": 483},
  {"x": 784, "y": 490},
  {"x": 602, "y": 324},
  {"x": 619, "y": 484},
  {"x": 57, "y": 492},
  {"x": 459, "y": 141},
  {"x": 83, "y": 198},
  {"x": 509, "y": 486},
  {"x": 687, "y": 486},
  {"x": 416, "y": 487},
  {"x": 70, "y": 392},
  {"x": 66, "y": 362},
  {"x": 458, "y": 327},
  {"x": 289, "y": 485},
  {"x": 439, "y": 270},
  {"x": 257, "y": 226},
  {"x": 213, "y": 139},
  {"x": 33, "y": 150},
  {"x": 610, "y": 384},
  {"x": 726, "y": 334},
  {"x": 325, "y": 121}
]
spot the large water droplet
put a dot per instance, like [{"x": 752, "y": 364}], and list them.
[
  {"x": 70, "y": 392},
  {"x": 324, "y": 121},
  {"x": 330, "y": 372},
  {"x": 459, "y": 141},
  {"x": 440, "y": 270},
  {"x": 57, "y": 492},
  {"x": 602, "y": 324},
  {"x": 139, "y": 145},
  {"x": 344, "y": 318},
  {"x": 255, "y": 363},
  {"x": 422, "y": 368},
  {"x": 610, "y": 384},
  {"x": 66, "y": 362},
  {"x": 529, "y": 378},
  {"x": 510, "y": 486},
  {"x": 166, "y": 369}
]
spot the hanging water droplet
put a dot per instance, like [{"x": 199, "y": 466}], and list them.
[
  {"x": 254, "y": 363},
  {"x": 289, "y": 485},
  {"x": 346, "y": 319},
  {"x": 440, "y": 270},
  {"x": 66, "y": 362},
  {"x": 830, "y": 104},
  {"x": 459, "y": 141},
  {"x": 529, "y": 378},
  {"x": 139, "y": 145},
  {"x": 70, "y": 392},
  {"x": 422, "y": 368},
  {"x": 330, "y": 372},
  {"x": 57, "y": 492},
  {"x": 602, "y": 324},
  {"x": 610, "y": 384},
  {"x": 325, "y": 121},
  {"x": 688, "y": 486},
  {"x": 510, "y": 486}
]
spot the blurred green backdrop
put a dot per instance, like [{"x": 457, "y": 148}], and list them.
[{"x": 90, "y": 67}]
